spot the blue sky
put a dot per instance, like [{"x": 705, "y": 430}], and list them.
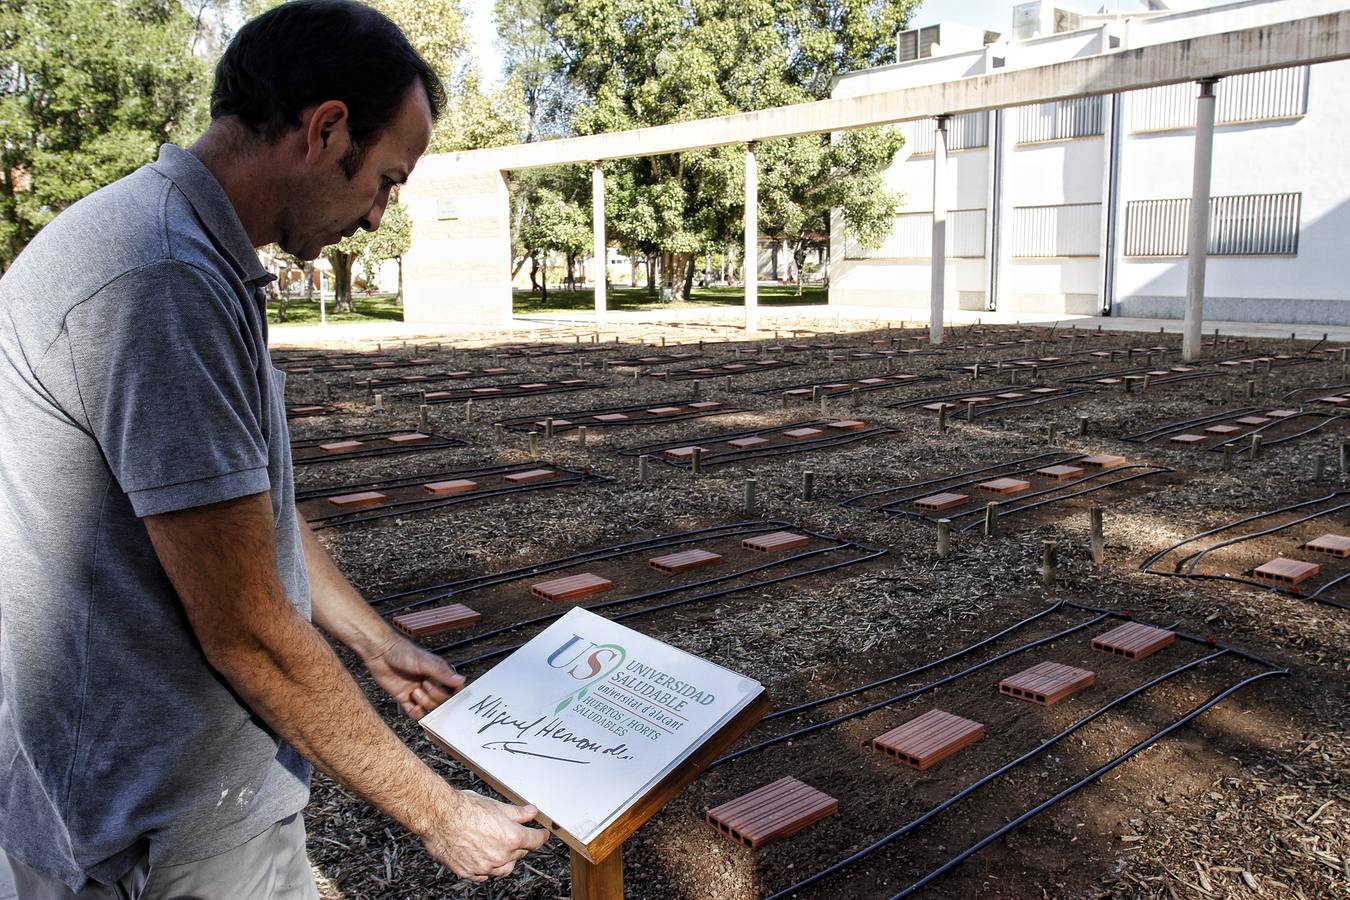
[{"x": 994, "y": 15}]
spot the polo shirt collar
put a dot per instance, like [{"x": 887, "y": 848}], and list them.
[{"x": 203, "y": 191}]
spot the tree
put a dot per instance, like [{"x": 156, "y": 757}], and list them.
[
  {"x": 556, "y": 221},
  {"x": 89, "y": 89},
  {"x": 389, "y": 241},
  {"x": 633, "y": 63}
]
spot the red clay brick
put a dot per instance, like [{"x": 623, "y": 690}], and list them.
[
  {"x": 404, "y": 440},
  {"x": 1331, "y": 544},
  {"x": 1158, "y": 373},
  {"x": 682, "y": 452},
  {"x": 705, "y": 404},
  {"x": 434, "y": 621},
  {"x": 1045, "y": 390},
  {"x": 1286, "y": 571},
  {"x": 666, "y": 410},
  {"x": 340, "y": 446},
  {"x": 746, "y": 443},
  {"x": 977, "y": 400},
  {"x": 846, "y": 425},
  {"x": 1253, "y": 420},
  {"x": 798, "y": 434},
  {"x": 571, "y": 381},
  {"x": 675, "y": 563},
  {"x": 496, "y": 371},
  {"x": 773, "y": 812},
  {"x": 1187, "y": 438},
  {"x": 1047, "y": 683},
  {"x": 1103, "y": 461},
  {"x": 557, "y": 423},
  {"x": 1059, "y": 473},
  {"x": 530, "y": 476},
  {"x": 343, "y": 367},
  {"x": 871, "y": 381},
  {"x": 1108, "y": 381},
  {"x": 1222, "y": 429},
  {"x": 610, "y": 417},
  {"x": 924, "y": 741},
  {"x": 1003, "y": 486},
  {"x": 356, "y": 501},
  {"x": 1335, "y": 401},
  {"x": 462, "y": 373},
  {"x": 1182, "y": 369},
  {"x": 798, "y": 392},
  {"x": 438, "y": 395},
  {"x": 934, "y": 407},
  {"x": 1133, "y": 640},
  {"x": 1011, "y": 395},
  {"x": 384, "y": 364},
  {"x": 486, "y": 390},
  {"x": 571, "y": 587},
  {"x": 1282, "y": 413},
  {"x": 534, "y": 385},
  {"x": 778, "y": 540},
  {"x": 413, "y": 378},
  {"x": 305, "y": 410},
  {"x": 939, "y": 502},
  {"x": 454, "y": 486}
]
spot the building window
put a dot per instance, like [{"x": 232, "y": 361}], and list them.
[
  {"x": 1241, "y": 225},
  {"x": 1254, "y": 97},
  {"x": 964, "y": 132},
  {"x": 911, "y": 237},
  {"x": 1059, "y": 120},
  {"x": 1071, "y": 229}
]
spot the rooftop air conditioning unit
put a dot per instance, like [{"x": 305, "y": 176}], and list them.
[{"x": 1040, "y": 19}]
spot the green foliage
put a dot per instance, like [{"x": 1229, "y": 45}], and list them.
[
  {"x": 389, "y": 241},
  {"x": 89, "y": 89}
]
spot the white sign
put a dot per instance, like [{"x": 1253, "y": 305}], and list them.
[{"x": 585, "y": 718}]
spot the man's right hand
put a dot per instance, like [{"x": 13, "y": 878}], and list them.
[{"x": 484, "y": 838}]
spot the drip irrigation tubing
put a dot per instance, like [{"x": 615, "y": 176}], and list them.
[
  {"x": 913, "y": 692},
  {"x": 869, "y": 555},
  {"x": 1013, "y": 510},
  {"x": 534, "y": 422},
  {"x": 1152, "y": 434},
  {"x": 1078, "y": 785},
  {"x": 721, "y": 371},
  {"x": 505, "y": 392},
  {"x": 717, "y": 459},
  {"x": 1316, "y": 389},
  {"x": 919, "y": 670},
  {"x": 419, "y": 505},
  {"x": 852, "y": 384},
  {"x": 1039, "y": 459},
  {"x": 1330, "y": 417},
  {"x": 460, "y": 585},
  {"x": 311, "y": 443},
  {"x": 989, "y": 409},
  {"x": 990, "y": 776}
]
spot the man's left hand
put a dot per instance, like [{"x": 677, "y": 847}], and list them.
[{"x": 418, "y": 680}]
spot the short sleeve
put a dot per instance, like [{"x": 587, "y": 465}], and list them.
[{"x": 167, "y": 375}]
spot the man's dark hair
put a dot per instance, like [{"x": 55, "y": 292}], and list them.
[{"x": 305, "y": 52}]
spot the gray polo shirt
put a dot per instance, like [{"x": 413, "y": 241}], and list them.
[{"x": 134, "y": 380}]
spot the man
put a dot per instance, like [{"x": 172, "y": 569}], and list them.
[{"x": 162, "y": 691}]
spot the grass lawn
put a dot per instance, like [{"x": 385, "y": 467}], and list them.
[
  {"x": 377, "y": 308},
  {"x": 559, "y": 301}
]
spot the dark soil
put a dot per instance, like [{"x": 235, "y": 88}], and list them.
[{"x": 1252, "y": 799}]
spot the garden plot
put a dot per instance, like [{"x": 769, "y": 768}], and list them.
[
  {"x": 642, "y": 580},
  {"x": 307, "y": 410},
  {"x": 503, "y": 391},
  {"x": 813, "y": 390},
  {"x": 340, "y": 447},
  {"x": 1028, "y": 487},
  {"x": 351, "y": 503},
  {"x": 394, "y": 381},
  {"x": 978, "y": 404},
  {"x": 1300, "y": 550},
  {"x": 928, "y": 765},
  {"x": 656, "y": 412},
  {"x": 355, "y": 365},
  {"x": 748, "y": 367},
  {"x": 1238, "y": 430},
  {"x": 741, "y": 446}
]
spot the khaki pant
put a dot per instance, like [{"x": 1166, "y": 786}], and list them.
[{"x": 271, "y": 866}]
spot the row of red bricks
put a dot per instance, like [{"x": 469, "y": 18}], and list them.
[
  {"x": 449, "y": 488},
  {"x": 572, "y": 587},
  {"x": 795, "y": 434},
  {"x": 699, "y": 406},
  {"x": 1004, "y": 486},
  {"x": 786, "y": 806},
  {"x": 1223, "y": 430}
]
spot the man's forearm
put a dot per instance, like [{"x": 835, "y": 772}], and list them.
[{"x": 337, "y": 608}]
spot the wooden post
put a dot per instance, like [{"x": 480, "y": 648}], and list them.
[
  {"x": 944, "y": 537},
  {"x": 1098, "y": 536},
  {"x": 597, "y": 881}
]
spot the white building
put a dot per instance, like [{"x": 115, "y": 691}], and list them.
[{"x": 1080, "y": 206}]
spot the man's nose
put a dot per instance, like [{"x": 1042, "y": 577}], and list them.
[{"x": 371, "y": 220}]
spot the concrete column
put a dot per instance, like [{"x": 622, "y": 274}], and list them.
[
  {"x": 1111, "y": 142},
  {"x": 939, "y": 262},
  {"x": 1197, "y": 228},
  {"x": 993, "y": 216},
  {"x": 601, "y": 253},
  {"x": 751, "y": 240}
]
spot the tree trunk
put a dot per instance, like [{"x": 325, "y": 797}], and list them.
[
  {"x": 283, "y": 293},
  {"x": 534, "y": 274},
  {"x": 571, "y": 277},
  {"x": 342, "y": 281},
  {"x": 517, "y": 266},
  {"x": 399, "y": 298},
  {"x": 689, "y": 277},
  {"x": 309, "y": 281},
  {"x": 651, "y": 276},
  {"x": 799, "y": 257}
]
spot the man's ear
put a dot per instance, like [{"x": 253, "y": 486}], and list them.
[{"x": 326, "y": 131}]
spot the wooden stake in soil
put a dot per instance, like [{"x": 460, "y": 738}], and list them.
[
  {"x": 422, "y": 412},
  {"x": 1049, "y": 550},
  {"x": 1256, "y": 446},
  {"x": 1082, "y": 426},
  {"x": 379, "y": 402},
  {"x": 942, "y": 418},
  {"x": 944, "y": 538},
  {"x": 468, "y": 411},
  {"x": 808, "y": 485},
  {"x": 696, "y": 461},
  {"x": 991, "y": 519},
  {"x": 1345, "y": 456},
  {"x": 1051, "y": 433},
  {"x": 581, "y": 437},
  {"x": 750, "y": 485},
  {"x": 1319, "y": 467},
  {"x": 1228, "y": 458},
  {"x": 534, "y": 443},
  {"x": 548, "y": 428},
  {"x": 1251, "y": 390},
  {"x": 499, "y": 432},
  {"x": 644, "y": 469},
  {"x": 1098, "y": 539}
]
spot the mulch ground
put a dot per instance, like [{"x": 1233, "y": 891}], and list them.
[{"x": 1252, "y": 799}]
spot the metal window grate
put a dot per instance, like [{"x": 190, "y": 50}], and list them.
[
  {"x": 911, "y": 237},
  {"x": 1239, "y": 225},
  {"x": 1059, "y": 120},
  {"x": 964, "y": 132},
  {"x": 1256, "y": 96},
  {"x": 1071, "y": 229}
]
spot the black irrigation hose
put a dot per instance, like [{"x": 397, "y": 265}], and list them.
[
  {"x": 1316, "y": 389},
  {"x": 988, "y": 409},
  {"x": 991, "y": 776},
  {"x": 419, "y": 505},
  {"x": 923, "y": 689},
  {"x": 1076, "y": 786},
  {"x": 1154, "y": 470},
  {"x": 476, "y": 582},
  {"x": 1158, "y": 431},
  {"x": 1057, "y": 455},
  {"x": 410, "y": 480},
  {"x": 734, "y": 456},
  {"x": 468, "y": 393},
  {"x": 853, "y": 384},
  {"x": 1207, "y": 641},
  {"x": 1194, "y": 560},
  {"x": 520, "y": 424},
  {"x": 1279, "y": 440},
  {"x": 872, "y": 554},
  {"x": 843, "y": 695}
]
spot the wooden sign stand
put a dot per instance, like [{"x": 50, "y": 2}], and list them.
[{"x": 597, "y": 866}]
